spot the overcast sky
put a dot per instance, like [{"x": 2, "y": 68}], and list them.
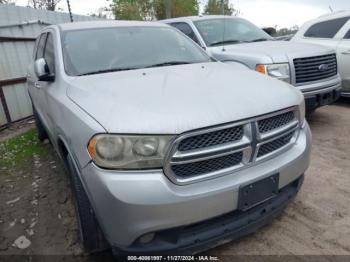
[{"x": 284, "y": 13}]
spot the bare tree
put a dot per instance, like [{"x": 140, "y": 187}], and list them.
[
  {"x": 44, "y": 4},
  {"x": 6, "y": 1}
]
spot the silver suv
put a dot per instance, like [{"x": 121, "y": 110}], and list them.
[
  {"x": 168, "y": 151},
  {"x": 311, "y": 68}
]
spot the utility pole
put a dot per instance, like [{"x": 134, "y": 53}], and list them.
[
  {"x": 70, "y": 11},
  {"x": 222, "y": 7},
  {"x": 167, "y": 4}
]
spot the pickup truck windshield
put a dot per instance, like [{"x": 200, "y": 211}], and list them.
[
  {"x": 101, "y": 50},
  {"x": 229, "y": 31}
]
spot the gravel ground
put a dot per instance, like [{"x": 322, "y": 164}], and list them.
[{"x": 37, "y": 214}]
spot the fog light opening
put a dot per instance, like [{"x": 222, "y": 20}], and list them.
[{"x": 145, "y": 239}]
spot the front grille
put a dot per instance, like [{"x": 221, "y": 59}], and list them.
[
  {"x": 269, "y": 124},
  {"x": 207, "y": 166},
  {"x": 275, "y": 145},
  {"x": 211, "y": 139},
  {"x": 228, "y": 147},
  {"x": 315, "y": 68}
]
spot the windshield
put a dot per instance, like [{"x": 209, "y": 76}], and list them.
[
  {"x": 92, "y": 51},
  {"x": 229, "y": 31}
]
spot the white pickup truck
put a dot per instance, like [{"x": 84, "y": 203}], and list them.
[
  {"x": 311, "y": 68},
  {"x": 331, "y": 30}
]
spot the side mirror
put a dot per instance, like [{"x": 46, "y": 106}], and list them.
[{"x": 42, "y": 71}]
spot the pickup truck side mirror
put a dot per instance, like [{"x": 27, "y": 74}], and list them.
[{"x": 42, "y": 71}]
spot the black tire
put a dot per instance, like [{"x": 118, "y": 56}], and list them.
[
  {"x": 42, "y": 134},
  {"x": 90, "y": 233}
]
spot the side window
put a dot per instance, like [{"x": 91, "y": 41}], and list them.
[
  {"x": 40, "y": 47},
  {"x": 49, "y": 54},
  {"x": 347, "y": 35},
  {"x": 186, "y": 29},
  {"x": 326, "y": 29}
]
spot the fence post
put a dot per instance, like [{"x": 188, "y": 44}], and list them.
[{"x": 4, "y": 105}]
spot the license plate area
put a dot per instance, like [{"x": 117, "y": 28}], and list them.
[
  {"x": 258, "y": 192},
  {"x": 326, "y": 98}
]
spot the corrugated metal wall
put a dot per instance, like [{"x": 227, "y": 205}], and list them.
[{"x": 22, "y": 22}]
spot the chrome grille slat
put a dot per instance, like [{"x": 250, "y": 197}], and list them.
[
  {"x": 314, "y": 59},
  {"x": 312, "y": 66},
  {"x": 307, "y": 69},
  {"x": 224, "y": 149},
  {"x": 312, "y": 63},
  {"x": 203, "y": 153},
  {"x": 315, "y": 78},
  {"x": 311, "y": 74}
]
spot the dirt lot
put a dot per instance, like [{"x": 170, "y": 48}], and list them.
[{"x": 37, "y": 215}]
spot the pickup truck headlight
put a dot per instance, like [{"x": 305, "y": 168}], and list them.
[
  {"x": 279, "y": 71},
  {"x": 128, "y": 151}
]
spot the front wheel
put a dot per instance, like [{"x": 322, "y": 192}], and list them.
[{"x": 90, "y": 233}]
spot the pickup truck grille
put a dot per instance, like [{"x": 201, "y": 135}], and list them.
[
  {"x": 223, "y": 149},
  {"x": 315, "y": 68}
]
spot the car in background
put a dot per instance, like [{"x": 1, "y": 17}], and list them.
[
  {"x": 168, "y": 150},
  {"x": 310, "y": 68},
  {"x": 333, "y": 31},
  {"x": 284, "y": 37}
]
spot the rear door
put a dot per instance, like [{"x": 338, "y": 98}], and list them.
[
  {"x": 33, "y": 84},
  {"x": 39, "y": 89},
  {"x": 46, "y": 88}
]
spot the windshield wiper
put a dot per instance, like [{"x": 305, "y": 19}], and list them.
[
  {"x": 108, "y": 71},
  {"x": 168, "y": 64},
  {"x": 226, "y": 42},
  {"x": 259, "y": 40}
]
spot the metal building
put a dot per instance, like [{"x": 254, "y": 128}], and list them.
[{"x": 19, "y": 26}]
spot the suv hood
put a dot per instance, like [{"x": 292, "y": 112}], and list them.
[
  {"x": 268, "y": 51},
  {"x": 175, "y": 99}
]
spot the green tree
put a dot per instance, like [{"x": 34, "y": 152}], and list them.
[
  {"x": 213, "y": 7},
  {"x": 133, "y": 9},
  {"x": 178, "y": 8}
]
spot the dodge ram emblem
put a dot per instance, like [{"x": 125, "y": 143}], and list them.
[{"x": 323, "y": 67}]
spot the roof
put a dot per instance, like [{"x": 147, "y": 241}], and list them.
[
  {"x": 108, "y": 23},
  {"x": 337, "y": 14},
  {"x": 323, "y": 18},
  {"x": 198, "y": 18}
]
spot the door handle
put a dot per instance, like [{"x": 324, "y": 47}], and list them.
[
  {"x": 346, "y": 52},
  {"x": 37, "y": 85}
]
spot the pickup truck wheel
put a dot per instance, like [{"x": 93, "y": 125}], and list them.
[
  {"x": 90, "y": 233},
  {"x": 42, "y": 135}
]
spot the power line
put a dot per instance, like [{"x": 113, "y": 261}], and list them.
[{"x": 70, "y": 11}]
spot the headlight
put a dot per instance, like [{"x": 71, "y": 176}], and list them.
[
  {"x": 128, "y": 152},
  {"x": 279, "y": 71},
  {"x": 302, "y": 112}
]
